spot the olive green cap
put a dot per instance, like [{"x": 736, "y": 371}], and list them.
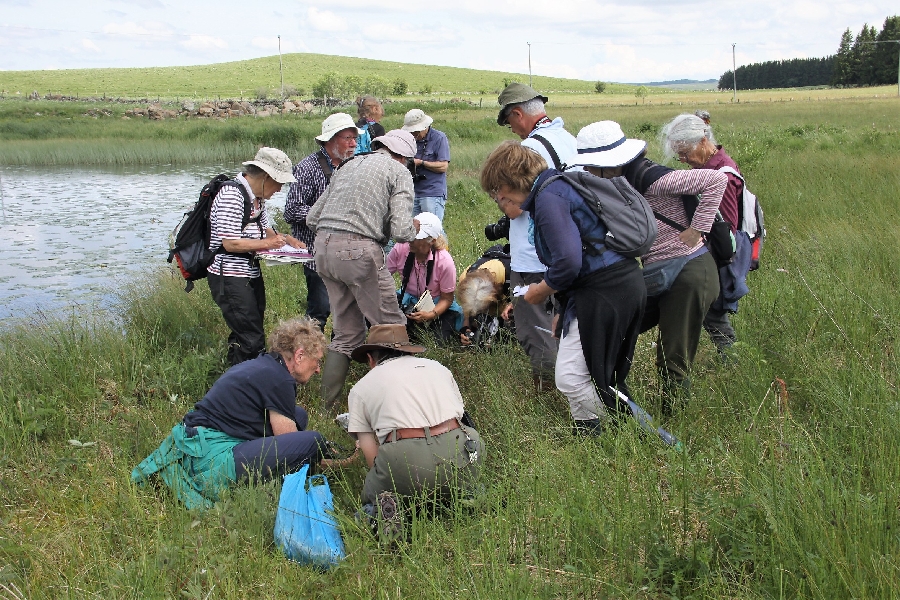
[{"x": 515, "y": 93}]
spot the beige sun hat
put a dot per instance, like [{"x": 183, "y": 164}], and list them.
[
  {"x": 416, "y": 120},
  {"x": 336, "y": 123},
  {"x": 603, "y": 144},
  {"x": 274, "y": 162},
  {"x": 392, "y": 336},
  {"x": 397, "y": 141}
]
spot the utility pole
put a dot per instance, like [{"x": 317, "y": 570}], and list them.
[
  {"x": 281, "y": 68},
  {"x": 529, "y": 63},
  {"x": 734, "y": 72}
]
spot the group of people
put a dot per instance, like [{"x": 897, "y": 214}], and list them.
[{"x": 578, "y": 310}]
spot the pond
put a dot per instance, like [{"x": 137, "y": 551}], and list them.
[{"x": 69, "y": 236}]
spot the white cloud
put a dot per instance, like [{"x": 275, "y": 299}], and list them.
[
  {"x": 129, "y": 28},
  {"x": 89, "y": 45},
  {"x": 204, "y": 42},
  {"x": 325, "y": 20}
]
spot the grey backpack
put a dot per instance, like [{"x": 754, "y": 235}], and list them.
[{"x": 629, "y": 220}]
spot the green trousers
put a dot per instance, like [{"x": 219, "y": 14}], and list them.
[
  {"x": 679, "y": 313},
  {"x": 438, "y": 466}
]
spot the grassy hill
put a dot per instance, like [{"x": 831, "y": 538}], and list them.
[{"x": 246, "y": 77}]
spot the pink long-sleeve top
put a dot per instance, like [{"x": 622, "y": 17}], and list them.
[{"x": 664, "y": 197}]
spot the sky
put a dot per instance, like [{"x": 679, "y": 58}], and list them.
[{"x": 620, "y": 41}]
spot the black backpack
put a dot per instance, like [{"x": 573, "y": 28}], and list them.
[
  {"x": 629, "y": 220},
  {"x": 190, "y": 238}
]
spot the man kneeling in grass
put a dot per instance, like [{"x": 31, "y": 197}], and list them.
[
  {"x": 248, "y": 423},
  {"x": 407, "y": 414}
]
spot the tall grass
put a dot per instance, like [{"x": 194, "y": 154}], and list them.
[{"x": 774, "y": 497}]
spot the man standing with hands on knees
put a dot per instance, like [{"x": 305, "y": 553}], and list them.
[{"x": 368, "y": 202}]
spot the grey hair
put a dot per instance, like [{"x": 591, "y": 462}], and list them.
[
  {"x": 684, "y": 130},
  {"x": 477, "y": 292},
  {"x": 533, "y": 107}
]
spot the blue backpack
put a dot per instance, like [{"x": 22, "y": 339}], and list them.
[{"x": 364, "y": 140}]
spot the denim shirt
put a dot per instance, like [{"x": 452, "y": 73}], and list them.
[{"x": 562, "y": 220}]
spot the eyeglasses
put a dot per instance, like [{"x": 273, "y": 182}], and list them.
[{"x": 346, "y": 138}]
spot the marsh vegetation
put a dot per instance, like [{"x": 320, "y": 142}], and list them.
[{"x": 775, "y": 496}]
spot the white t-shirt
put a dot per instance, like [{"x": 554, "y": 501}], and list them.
[{"x": 403, "y": 392}]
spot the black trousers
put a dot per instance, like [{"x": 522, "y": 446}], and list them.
[{"x": 243, "y": 304}]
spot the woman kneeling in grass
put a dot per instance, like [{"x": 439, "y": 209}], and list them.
[{"x": 601, "y": 292}]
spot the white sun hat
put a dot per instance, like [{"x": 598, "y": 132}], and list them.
[
  {"x": 336, "y": 123},
  {"x": 603, "y": 144},
  {"x": 416, "y": 120},
  {"x": 429, "y": 225},
  {"x": 274, "y": 162}
]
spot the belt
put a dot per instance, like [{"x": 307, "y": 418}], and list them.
[
  {"x": 420, "y": 432},
  {"x": 346, "y": 235}
]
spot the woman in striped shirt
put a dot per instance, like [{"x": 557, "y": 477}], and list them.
[{"x": 680, "y": 273}]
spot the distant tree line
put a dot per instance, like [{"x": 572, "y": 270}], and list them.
[
  {"x": 860, "y": 60},
  {"x": 797, "y": 72}
]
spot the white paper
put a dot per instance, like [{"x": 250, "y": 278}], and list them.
[
  {"x": 425, "y": 303},
  {"x": 519, "y": 291}
]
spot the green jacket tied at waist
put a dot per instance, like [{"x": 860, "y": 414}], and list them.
[{"x": 197, "y": 468}]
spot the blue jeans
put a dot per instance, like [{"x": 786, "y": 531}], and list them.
[
  {"x": 432, "y": 204},
  {"x": 317, "y": 306}
]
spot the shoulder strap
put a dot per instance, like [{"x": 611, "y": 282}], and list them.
[
  {"x": 327, "y": 169},
  {"x": 727, "y": 169},
  {"x": 408, "y": 267},
  {"x": 556, "y": 162},
  {"x": 641, "y": 174}
]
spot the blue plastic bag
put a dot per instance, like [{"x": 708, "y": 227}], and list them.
[{"x": 305, "y": 528}]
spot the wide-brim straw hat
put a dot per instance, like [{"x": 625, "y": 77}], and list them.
[
  {"x": 274, "y": 162},
  {"x": 398, "y": 141},
  {"x": 416, "y": 120},
  {"x": 392, "y": 336},
  {"x": 603, "y": 144},
  {"x": 336, "y": 123}
]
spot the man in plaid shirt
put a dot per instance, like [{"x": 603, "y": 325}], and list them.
[{"x": 338, "y": 142}]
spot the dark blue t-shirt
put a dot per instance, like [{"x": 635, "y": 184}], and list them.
[
  {"x": 240, "y": 401},
  {"x": 434, "y": 147}
]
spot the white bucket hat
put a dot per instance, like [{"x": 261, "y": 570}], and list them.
[
  {"x": 429, "y": 225},
  {"x": 399, "y": 142},
  {"x": 603, "y": 144},
  {"x": 416, "y": 120},
  {"x": 336, "y": 123},
  {"x": 274, "y": 162}
]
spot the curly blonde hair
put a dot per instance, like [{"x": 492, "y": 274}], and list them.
[
  {"x": 303, "y": 333},
  {"x": 512, "y": 165}
]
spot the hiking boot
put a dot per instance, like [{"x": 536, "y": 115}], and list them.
[{"x": 389, "y": 519}]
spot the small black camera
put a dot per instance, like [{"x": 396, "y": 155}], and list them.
[
  {"x": 413, "y": 170},
  {"x": 498, "y": 230}
]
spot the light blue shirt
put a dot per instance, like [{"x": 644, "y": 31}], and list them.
[{"x": 523, "y": 256}]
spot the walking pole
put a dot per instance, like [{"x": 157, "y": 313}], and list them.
[{"x": 646, "y": 421}]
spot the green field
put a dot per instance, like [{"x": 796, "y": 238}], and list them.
[
  {"x": 244, "y": 78},
  {"x": 774, "y": 497}
]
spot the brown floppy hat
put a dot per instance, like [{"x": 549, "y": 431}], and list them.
[{"x": 392, "y": 336}]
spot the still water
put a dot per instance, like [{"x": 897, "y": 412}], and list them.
[{"x": 69, "y": 236}]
